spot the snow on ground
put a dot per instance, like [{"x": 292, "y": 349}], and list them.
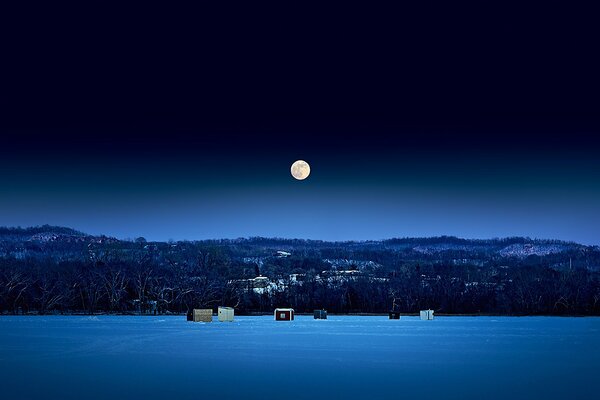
[{"x": 104, "y": 357}]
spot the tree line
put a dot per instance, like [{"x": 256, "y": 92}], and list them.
[{"x": 141, "y": 279}]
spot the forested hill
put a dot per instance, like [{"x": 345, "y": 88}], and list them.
[
  {"x": 49, "y": 241},
  {"x": 57, "y": 269}
]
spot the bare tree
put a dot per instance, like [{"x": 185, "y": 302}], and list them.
[
  {"x": 14, "y": 285},
  {"x": 115, "y": 286},
  {"x": 50, "y": 292},
  {"x": 89, "y": 286}
]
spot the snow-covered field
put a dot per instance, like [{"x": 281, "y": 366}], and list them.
[{"x": 113, "y": 357}]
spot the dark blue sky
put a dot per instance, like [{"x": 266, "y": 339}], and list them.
[
  {"x": 358, "y": 189},
  {"x": 483, "y": 128}
]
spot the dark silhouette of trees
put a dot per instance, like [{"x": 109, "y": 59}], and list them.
[{"x": 49, "y": 270}]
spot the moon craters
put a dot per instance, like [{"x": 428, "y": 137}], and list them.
[{"x": 300, "y": 170}]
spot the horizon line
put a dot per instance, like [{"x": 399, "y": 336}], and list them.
[{"x": 125, "y": 239}]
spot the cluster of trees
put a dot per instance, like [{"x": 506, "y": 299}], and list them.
[
  {"x": 140, "y": 283},
  {"x": 134, "y": 285},
  {"x": 49, "y": 269}
]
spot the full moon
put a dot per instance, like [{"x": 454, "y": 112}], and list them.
[{"x": 300, "y": 170}]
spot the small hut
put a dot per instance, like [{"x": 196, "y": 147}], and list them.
[
  {"x": 225, "y": 314},
  {"x": 394, "y": 315},
  {"x": 284, "y": 314},
  {"x": 320, "y": 314},
  {"x": 202, "y": 315},
  {"x": 426, "y": 315}
]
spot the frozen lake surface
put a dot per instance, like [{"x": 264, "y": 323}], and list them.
[{"x": 114, "y": 357}]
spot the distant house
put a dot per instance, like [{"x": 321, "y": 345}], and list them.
[
  {"x": 320, "y": 314},
  {"x": 284, "y": 314},
  {"x": 260, "y": 282}
]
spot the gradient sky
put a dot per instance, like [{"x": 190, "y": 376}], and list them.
[{"x": 491, "y": 132}]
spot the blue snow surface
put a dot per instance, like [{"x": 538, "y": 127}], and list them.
[{"x": 344, "y": 357}]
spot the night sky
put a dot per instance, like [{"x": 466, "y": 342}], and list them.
[{"x": 183, "y": 125}]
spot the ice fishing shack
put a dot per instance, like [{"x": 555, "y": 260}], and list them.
[
  {"x": 426, "y": 315},
  {"x": 225, "y": 314},
  {"x": 284, "y": 314},
  {"x": 200, "y": 315}
]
